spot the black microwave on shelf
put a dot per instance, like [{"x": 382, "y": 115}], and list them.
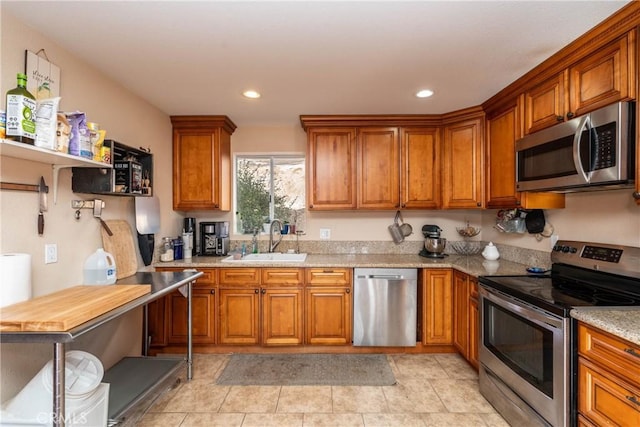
[
  {"x": 590, "y": 152},
  {"x": 131, "y": 173}
]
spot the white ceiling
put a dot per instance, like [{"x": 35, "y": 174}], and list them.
[{"x": 312, "y": 57}]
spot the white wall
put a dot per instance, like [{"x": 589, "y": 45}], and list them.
[{"x": 127, "y": 119}]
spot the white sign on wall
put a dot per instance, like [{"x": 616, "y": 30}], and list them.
[{"x": 43, "y": 77}]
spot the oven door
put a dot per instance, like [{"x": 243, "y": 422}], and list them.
[{"x": 525, "y": 353}]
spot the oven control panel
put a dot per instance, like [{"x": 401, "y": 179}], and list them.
[
  {"x": 616, "y": 259},
  {"x": 602, "y": 254}
]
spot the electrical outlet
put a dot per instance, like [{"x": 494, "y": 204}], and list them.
[
  {"x": 325, "y": 233},
  {"x": 50, "y": 253}
]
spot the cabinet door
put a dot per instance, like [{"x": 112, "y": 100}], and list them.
[
  {"x": 282, "y": 316},
  {"x": 331, "y": 168},
  {"x": 546, "y": 103},
  {"x": 474, "y": 327},
  {"x": 239, "y": 310},
  {"x": 156, "y": 317},
  {"x": 420, "y": 168},
  {"x": 604, "y": 77},
  {"x": 437, "y": 307},
  {"x": 203, "y": 307},
  {"x": 201, "y": 169},
  {"x": 378, "y": 168},
  {"x": 463, "y": 163},
  {"x": 461, "y": 313},
  {"x": 328, "y": 315},
  {"x": 503, "y": 131},
  {"x": 605, "y": 399}
]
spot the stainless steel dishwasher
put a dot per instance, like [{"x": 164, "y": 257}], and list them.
[{"x": 385, "y": 307}]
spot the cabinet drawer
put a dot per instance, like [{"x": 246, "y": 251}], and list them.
[
  {"x": 209, "y": 278},
  {"x": 282, "y": 276},
  {"x": 605, "y": 399},
  {"x": 329, "y": 276},
  {"x": 615, "y": 354},
  {"x": 239, "y": 276}
]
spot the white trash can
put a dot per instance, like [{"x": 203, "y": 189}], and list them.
[{"x": 86, "y": 398}]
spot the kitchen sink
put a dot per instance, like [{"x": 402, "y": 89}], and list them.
[{"x": 268, "y": 257}]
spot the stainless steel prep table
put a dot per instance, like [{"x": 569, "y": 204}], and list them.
[{"x": 162, "y": 283}]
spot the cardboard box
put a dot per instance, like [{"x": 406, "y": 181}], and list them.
[{"x": 128, "y": 177}]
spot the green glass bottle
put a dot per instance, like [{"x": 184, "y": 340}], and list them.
[{"x": 21, "y": 113}]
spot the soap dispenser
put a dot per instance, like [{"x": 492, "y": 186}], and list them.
[{"x": 490, "y": 252}]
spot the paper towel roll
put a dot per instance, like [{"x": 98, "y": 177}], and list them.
[{"x": 15, "y": 278}]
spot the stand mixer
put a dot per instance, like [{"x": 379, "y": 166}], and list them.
[{"x": 433, "y": 244}]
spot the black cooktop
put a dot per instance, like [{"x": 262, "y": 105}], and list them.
[
  {"x": 566, "y": 288},
  {"x": 583, "y": 274}
]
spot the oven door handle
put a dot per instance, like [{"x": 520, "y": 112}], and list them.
[{"x": 528, "y": 312}]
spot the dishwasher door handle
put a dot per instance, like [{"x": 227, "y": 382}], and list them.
[{"x": 381, "y": 276}]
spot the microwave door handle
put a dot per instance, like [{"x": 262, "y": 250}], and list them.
[{"x": 585, "y": 123}]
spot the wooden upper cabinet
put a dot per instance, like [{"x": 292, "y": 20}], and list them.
[
  {"x": 546, "y": 102},
  {"x": 420, "y": 168},
  {"x": 601, "y": 78},
  {"x": 331, "y": 168},
  {"x": 463, "y": 173},
  {"x": 202, "y": 162},
  {"x": 606, "y": 76},
  {"x": 503, "y": 129},
  {"x": 378, "y": 168}
]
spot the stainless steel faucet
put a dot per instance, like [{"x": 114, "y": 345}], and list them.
[{"x": 272, "y": 228}]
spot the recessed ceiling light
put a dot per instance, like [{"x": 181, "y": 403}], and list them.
[
  {"x": 251, "y": 94},
  {"x": 425, "y": 93}
]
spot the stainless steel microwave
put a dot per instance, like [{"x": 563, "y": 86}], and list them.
[{"x": 590, "y": 152}]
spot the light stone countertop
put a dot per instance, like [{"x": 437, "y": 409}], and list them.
[
  {"x": 473, "y": 265},
  {"x": 623, "y": 322}
]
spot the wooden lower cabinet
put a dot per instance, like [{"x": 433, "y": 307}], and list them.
[
  {"x": 328, "y": 306},
  {"x": 465, "y": 314},
  {"x": 167, "y": 317},
  {"x": 437, "y": 307},
  {"x": 608, "y": 379},
  {"x": 203, "y": 306},
  {"x": 266, "y": 308},
  {"x": 239, "y": 312}
]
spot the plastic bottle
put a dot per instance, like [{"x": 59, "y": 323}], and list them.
[
  {"x": 100, "y": 268},
  {"x": 21, "y": 113}
]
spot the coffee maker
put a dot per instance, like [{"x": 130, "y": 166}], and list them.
[
  {"x": 433, "y": 244},
  {"x": 214, "y": 238}
]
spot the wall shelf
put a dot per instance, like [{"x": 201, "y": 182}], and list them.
[{"x": 57, "y": 160}]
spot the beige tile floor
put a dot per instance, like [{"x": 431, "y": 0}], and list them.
[{"x": 431, "y": 390}]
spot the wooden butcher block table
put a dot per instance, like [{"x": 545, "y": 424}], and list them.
[
  {"x": 63, "y": 316},
  {"x": 64, "y": 310}
]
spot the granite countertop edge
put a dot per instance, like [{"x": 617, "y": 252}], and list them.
[
  {"x": 623, "y": 322},
  {"x": 474, "y": 265}
]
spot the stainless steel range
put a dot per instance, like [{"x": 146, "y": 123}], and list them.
[{"x": 528, "y": 348}]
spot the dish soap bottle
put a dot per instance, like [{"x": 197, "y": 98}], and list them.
[{"x": 21, "y": 113}]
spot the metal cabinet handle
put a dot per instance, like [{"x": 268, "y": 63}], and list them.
[
  {"x": 570, "y": 115},
  {"x": 633, "y": 400},
  {"x": 636, "y": 195},
  {"x": 348, "y": 290},
  {"x": 257, "y": 291},
  {"x": 632, "y": 352},
  {"x": 559, "y": 118},
  {"x": 264, "y": 291},
  {"x": 213, "y": 291}
]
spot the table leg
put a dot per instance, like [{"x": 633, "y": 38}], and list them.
[{"x": 58, "y": 384}]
